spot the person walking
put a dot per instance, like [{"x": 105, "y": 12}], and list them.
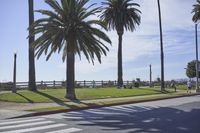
[
  {"x": 173, "y": 85},
  {"x": 189, "y": 86}
]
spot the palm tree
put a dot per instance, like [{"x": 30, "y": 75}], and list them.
[
  {"x": 196, "y": 11},
  {"x": 120, "y": 15},
  {"x": 70, "y": 30},
  {"x": 162, "y": 86},
  {"x": 32, "y": 84},
  {"x": 196, "y": 18}
]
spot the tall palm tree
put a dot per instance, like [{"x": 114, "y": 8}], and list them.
[
  {"x": 68, "y": 28},
  {"x": 120, "y": 15},
  {"x": 32, "y": 84},
  {"x": 162, "y": 86},
  {"x": 196, "y": 11},
  {"x": 196, "y": 18}
]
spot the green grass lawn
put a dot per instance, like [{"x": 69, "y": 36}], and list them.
[
  {"x": 184, "y": 87},
  {"x": 57, "y": 95}
]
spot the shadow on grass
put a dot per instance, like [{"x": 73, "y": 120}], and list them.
[
  {"x": 61, "y": 102},
  {"x": 159, "y": 91},
  {"x": 29, "y": 100}
]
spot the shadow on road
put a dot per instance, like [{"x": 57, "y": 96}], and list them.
[{"x": 147, "y": 120}]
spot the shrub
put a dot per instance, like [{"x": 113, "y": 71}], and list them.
[{"x": 136, "y": 84}]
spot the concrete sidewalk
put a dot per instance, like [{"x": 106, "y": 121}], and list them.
[
  {"x": 6, "y": 114},
  {"x": 10, "y": 109}
]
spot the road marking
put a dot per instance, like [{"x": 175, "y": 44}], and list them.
[
  {"x": 35, "y": 128},
  {"x": 122, "y": 109},
  {"x": 69, "y": 130},
  {"x": 73, "y": 117},
  {"x": 27, "y": 124},
  {"x": 21, "y": 121}
]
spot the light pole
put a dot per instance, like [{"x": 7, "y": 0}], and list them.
[
  {"x": 14, "y": 74},
  {"x": 150, "y": 76},
  {"x": 197, "y": 71}
]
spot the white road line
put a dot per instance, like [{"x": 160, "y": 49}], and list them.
[
  {"x": 73, "y": 117},
  {"x": 26, "y": 124},
  {"x": 20, "y": 121},
  {"x": 35, "y": 128},
  {"x": 69, "y": 130}
]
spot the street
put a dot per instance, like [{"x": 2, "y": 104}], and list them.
[{"x": 179, "y": 115}]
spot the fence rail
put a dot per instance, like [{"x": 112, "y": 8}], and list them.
[{"x": 78, "y": 84}]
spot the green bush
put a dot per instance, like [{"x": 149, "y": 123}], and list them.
[{"x": 136, "y": 85}]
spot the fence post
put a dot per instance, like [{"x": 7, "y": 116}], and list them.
[
  {"x": 41, "y": 84},
  {"x": 84, "y": 83},
  {"x": 93, "y": 84},
  {"x": 54, "y": 84}
]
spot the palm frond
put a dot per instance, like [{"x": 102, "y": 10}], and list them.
[
  {"x": 69, "y": 29},
  {"x": 196, "y": 11},
  {"x": 121, "y": 14}
]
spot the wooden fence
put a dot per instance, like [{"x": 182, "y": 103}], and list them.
[{"x": 78, "y": 84}]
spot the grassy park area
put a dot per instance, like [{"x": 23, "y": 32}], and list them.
[
  {"x": 54, "y": 98},
  {"x": 57, "y": 95}
]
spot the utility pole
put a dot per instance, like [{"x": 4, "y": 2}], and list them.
[
  {"x": 14, "y": 74},
  {"x": 150, "y": 77}
]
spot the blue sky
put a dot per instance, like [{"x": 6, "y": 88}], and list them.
[{"x": 140, "y": 48}]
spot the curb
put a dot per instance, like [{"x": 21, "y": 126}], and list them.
[{"x": 99, "y": 106}]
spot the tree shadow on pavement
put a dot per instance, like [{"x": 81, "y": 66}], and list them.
[{"x": 142, "y": 119}]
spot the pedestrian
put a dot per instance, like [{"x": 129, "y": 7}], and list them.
[
  {"x": 189, "y": 86},
  {"x": 173, "y": 85}
]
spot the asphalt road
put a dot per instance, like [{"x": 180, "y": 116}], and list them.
[{"x": 180, "y": 115}]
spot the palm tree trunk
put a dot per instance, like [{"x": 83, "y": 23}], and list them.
[
  {"x": 32, "y": 84},
  {"x": 70, "y": 87},
  {"x": 162, "y": 86},
  {"x": 120, "y": 70},
  {"x": 197, "y": 66}
]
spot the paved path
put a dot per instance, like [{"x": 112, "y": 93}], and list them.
[{"x": 179, "y": 115}]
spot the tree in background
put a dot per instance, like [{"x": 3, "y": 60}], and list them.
[
  {"x": 68, "y": 28},
  {"x": 120, "y": 15},
  {"x": 158, "y": 79},
  {"x": 31, "y": 83},
  {"x": 191, "y": 69}
]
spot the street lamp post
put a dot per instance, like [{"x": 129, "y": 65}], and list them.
[
  {"x": 14, "y": 74},
  {"x": 150, "y": 76},
  {"x": 197, "y": 71}
]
